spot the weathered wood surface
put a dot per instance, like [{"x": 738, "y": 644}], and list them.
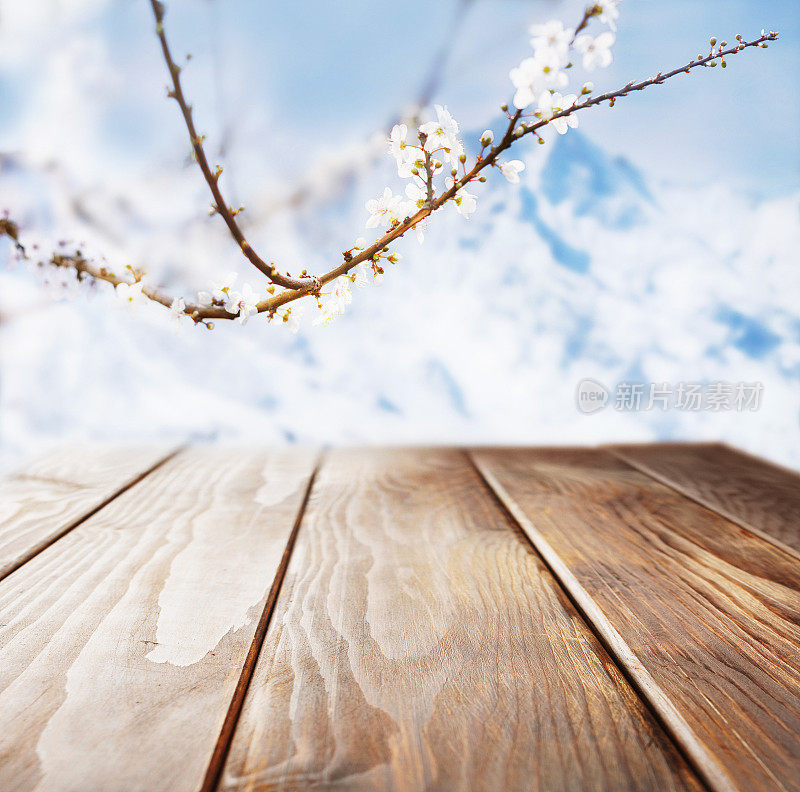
[
  {"x": 122, "y": 644},
  {"x": 759, "y": 496},
  {"x": 45, "y": 499},
  {"x": 178, "y": 626},
  {"x": 705, "y": 610},
  {"x": 418, "y": 643}
]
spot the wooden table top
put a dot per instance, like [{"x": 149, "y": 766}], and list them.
[{"x": 622, "y": 618}]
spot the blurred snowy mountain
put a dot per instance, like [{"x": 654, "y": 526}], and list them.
[{"x": 586, "y": 269}]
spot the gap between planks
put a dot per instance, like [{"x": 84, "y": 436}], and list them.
[
  {"x": 343, "y": 695},
  {"x": 728, "y": 514},
  {"x": 708, "y": 769},
  {"x": 51, "y": 540},
  {"x": 223, "y": 745}
]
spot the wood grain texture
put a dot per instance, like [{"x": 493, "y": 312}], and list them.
[
  {"x": 418, "y": 643},
  {"x": 122, "y": 643},
  {"x": 759, "y": 496},
  {"x": 711, "y": 612},
  {"x": 45, "y": 499}
]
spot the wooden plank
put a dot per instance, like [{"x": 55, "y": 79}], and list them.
[
  {"x": 47, "y": 498},
  {"x": 756, "y": 494},
  {"x": 122, "y": 644},
  {"x": 418, "y": 643},
  {"x": 704, "y": 615}
]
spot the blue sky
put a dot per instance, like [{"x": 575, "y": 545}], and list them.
[
  {"x": 310, "y": 75},
  {"x": 314, "y": 73},
  {"x": 700, "y": 282}
]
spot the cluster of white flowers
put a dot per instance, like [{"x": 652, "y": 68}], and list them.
[
  {"x": 336, "y": 300},
  {"x": 438, "y": 149},
  {"x": 419, "y": 161},
  {"x": 339, "y": 294},
  {"x": 243, "y": 304},
  {"x": 540, "y": 78}
]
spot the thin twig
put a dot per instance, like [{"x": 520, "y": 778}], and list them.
[{"x": 220, "y": 206}]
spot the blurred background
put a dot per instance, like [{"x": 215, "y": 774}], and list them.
[{"x": 658, "y": 242}]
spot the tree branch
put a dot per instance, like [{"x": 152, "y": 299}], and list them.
[
  {"x": 212, "y": 179},
  {"x": 373, "y": 253}
]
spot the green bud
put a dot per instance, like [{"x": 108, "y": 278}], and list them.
[{"x": 713, "y": 41}]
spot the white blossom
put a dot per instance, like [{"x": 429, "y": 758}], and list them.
[
  {"x": 596, "y": 51},
  {"x": 512, "y": 169},
  {"x": 487, "y": 138},
  {"x": 220, "y": 289},
  {"x": 465, "y": 203},
  {"x": 177, "y": 310},
  {"x": 205, "y": 298},
  {"x": 292, "y": 316},
  {"x": 535, "y": 75},
  {"x": 360, "y": 275},
  {"x": 550, "y": 103},
  {"x": 610, "y": 13},
  {"x": 385, "y": 209},
  {"x": 337, "y": 300},
  {"x": 244, "y": 303},
  {"x": 130, "y": 294},
  {"x": 178, "y": 307},
  {"x": 405, "y": 155},
  {"x": 552, "y": 36},
  {"x": 443, "y": 134},
  {"x": 417, "y": 194},
  {"x": 361, "y": 243}
]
